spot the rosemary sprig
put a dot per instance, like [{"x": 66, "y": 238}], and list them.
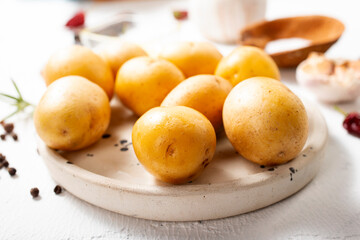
[{"x": 17, "y": 101}]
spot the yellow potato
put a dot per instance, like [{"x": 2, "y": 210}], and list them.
[
  {"x": 192, "y": 58},
  {"x": 204, "y": 93},
  {"x": 246, "y": 62},
  {"x": 264, "y": 121},
  {"x": 72, "y": 114},
  {"x": 118, "y": 52},
  {"x": 80, "y": 61},
  {"x": 142, "y": 83},
  {"x": 174, "y": 144}
]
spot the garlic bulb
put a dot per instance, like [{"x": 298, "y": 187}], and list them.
[
  {"x": 331, "y": 80},
  {"x": 222, "y": 20}
]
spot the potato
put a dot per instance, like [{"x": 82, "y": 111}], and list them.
[
  {"x": 192, "y": 58},
  {"x": 264, "y": 121},
  {"x": 142, "y": 83},
  {"x": 80, "y": 61},
  {"x": 204, "y": 93},
  {"x": 174, "y": 144},
  {"x": 72, "y": 114},
  {"x": 245, "y": 62},
  {"x": 116, "y": 53}
]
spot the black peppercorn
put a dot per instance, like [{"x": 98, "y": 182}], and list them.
[{"x": 34, "y": 192}]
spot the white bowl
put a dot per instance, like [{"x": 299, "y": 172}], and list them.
[{"x": 107, "y": 177}]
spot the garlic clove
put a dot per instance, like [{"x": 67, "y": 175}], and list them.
[{"x": 332, "y": 81}]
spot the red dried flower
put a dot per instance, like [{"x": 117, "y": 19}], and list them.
[{"x": 77, "y": 20}]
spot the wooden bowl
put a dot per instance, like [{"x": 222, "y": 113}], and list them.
[{"x": 321, "y": 31}]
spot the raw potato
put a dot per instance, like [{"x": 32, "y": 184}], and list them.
[
  {"x": 118, "y": 52},
  {"x": 72, "y": 114},
  {"x": 245, "y": 62},
  {"x": 174, "y": 144},
  {"x": 264, "y": 121},
  {"x": 142, "y": 83},
  {"x": 80, "y": 61},
  {"x": 204, "y": 93},
  {"x": 192, "y": 58}
]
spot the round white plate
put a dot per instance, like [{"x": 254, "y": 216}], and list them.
[{"x": 108, "y": 175}]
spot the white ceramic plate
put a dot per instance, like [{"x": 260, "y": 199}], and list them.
[{"x": 113, "y": 179}]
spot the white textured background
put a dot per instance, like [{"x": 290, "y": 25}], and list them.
[{"x": 328, "y": 208}]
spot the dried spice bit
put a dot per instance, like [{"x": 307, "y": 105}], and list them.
[
  {"x": 292, "y": 169},
  {"x": 180, "y": 15},
  {"x": 68, "y": 162},
  {"x": 78, "y": 20},
  {"x": 351, "y": 122},
  {"x": 89, "y": 155},
  {"x": 9, "y": 127},
  {"x": 124, "y": 149},
  {"x": 57, "y": 189},
  {"x": 106, "y": 135},
  {"x": 3, "y": 136},
  {"x": 123, "y": 141},
  {"x": 12, "y": 171},
  {"x": 291, "y": 176},
  {"x": 271, "y": 169},
  {"x": 34, "y": 192},
  {"x": 262, "y": 166},
  {"x": 116, "y": 145}
]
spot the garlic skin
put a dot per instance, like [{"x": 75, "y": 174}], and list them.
[
  {"x": 222, "y": 20},
  {"x": 332, "y": 81}
]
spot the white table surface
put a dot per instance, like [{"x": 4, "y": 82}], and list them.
[{"x": 327, "y": 208}]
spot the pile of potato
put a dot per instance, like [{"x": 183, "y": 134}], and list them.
[{"x": 183, "y": 98}]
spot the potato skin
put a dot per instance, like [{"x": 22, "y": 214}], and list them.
[
  {"x": 117, "y": 53},
  {"x": 72, "y": 114},
  {"x": 174, "y": 144},
  {"x": 80, "y": 61},
  {"x": 143, "y": 82},
  {"x": 192, "y": 58},
  {"x": 264, "y": 121},
  {"x": 205, "y": 93},
  {"x": 245, "y": 62}
]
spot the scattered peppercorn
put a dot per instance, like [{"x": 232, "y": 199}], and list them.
[
  {"x": 12, "y": 171},
  {"x": 271, "y": 169},
  {"x": 14, "y": 136},
  {"x": 124, "y": 149},
  {"x": 3, "y": 136},
  {"x": 123, "y": 141},
  {"x": 34, "y": 192},
  {"x": 68, "y": 162},
  {"x": 106, "y": 135},
  {"x": 5, "y": 163},
  {"x": 262, "y": 166},
  {"x": 57, "y": 189},
  {"x": 2, "y": 158},
  {"x": 292, "y": 169},
  {"x": 9, "y": 127}
]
